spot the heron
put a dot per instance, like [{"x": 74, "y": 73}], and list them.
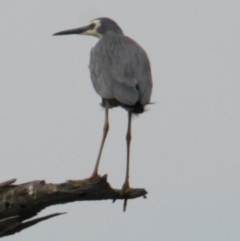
[{"x": 121, "y": 74}]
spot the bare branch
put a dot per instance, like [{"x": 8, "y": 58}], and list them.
[
  {"x": 21, "y": 202},
  {"x": 13, "y": 225}
]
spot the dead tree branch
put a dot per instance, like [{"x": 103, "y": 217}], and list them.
[{"x": 24, "y": 201}]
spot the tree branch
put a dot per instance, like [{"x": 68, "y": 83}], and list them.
[{"x": 24, "y": 201}]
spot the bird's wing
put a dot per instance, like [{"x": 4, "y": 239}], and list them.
[{"x": 120, "y": 69}]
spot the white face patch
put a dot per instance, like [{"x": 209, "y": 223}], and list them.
[{"x": 94, "y": 31}]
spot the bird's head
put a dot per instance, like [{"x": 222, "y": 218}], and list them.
[{"x": 98, "y": 27}]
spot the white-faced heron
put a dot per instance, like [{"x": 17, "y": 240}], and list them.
[{"x": 120, "y": 73}]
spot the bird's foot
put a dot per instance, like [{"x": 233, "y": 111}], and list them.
[
  {"x": 94, "y": 176},
  {"x": 73, "y": 181},
  {"x": 125, "y": 188}
]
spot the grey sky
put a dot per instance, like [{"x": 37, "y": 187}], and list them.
[{"x": 185, "y": 148}]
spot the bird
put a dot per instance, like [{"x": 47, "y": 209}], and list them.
[{"x": 120, "y": 72}]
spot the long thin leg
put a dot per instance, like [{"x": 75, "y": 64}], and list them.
[
  {"x": 128, "y": 139},
  {"x": 105, "y": 131}
]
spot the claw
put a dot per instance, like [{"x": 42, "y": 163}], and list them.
[
  {"x": 124, "y": 205},
  {"x": 125, "y": 187}
]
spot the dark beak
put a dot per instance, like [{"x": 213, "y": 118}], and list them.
[{"x": 73, "y": 31}]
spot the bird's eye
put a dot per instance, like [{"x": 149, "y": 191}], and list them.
[{"x": 92, "y": 26}]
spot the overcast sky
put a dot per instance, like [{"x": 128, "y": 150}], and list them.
[{"x": 185, "y": 148}]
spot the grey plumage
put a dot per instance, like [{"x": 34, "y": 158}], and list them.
[
  {"x": 121, "y": 75},
  {"x": 120, "y": 70},
  {"x": 119, "y": 67}
]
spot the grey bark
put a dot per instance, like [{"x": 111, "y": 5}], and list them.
[{"x": 21, "y": 202}]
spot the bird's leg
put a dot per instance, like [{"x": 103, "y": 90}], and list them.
[
  {"x": 105, "y": 131},
  {"x": 128, "y": 139}
]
